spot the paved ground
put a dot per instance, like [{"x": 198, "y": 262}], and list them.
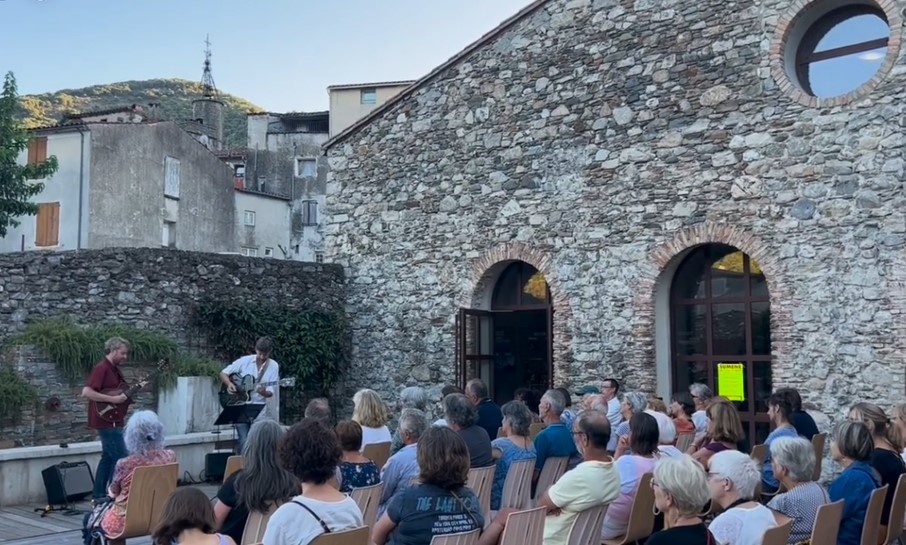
[{"x": 22, "y": 525}]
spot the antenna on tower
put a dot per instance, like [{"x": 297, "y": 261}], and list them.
[{"x": 207, "y": 79}]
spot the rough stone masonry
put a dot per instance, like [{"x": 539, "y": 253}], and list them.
[{"x": 598, "y": 140}]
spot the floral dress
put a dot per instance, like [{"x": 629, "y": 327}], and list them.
[
  {"x": 510, "y": 452},
  {"x": 358, "y": 475},
  {"x": 114, "y": 523}
]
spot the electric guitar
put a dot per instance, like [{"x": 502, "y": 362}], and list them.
[
  {"x": 116, "y": 412},
  {"x": 245, "y": 385}
]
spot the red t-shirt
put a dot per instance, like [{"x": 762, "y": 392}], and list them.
[{"x": 105, "y": 376}]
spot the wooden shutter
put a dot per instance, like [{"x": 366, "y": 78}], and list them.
[
  {"x": 37, "y": 150},
  {"x": 47, "y": 232}
]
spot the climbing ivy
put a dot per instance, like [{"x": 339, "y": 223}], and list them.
[
  {"x": 16, "y": 393},
  {"x": 311, "y": 345}
]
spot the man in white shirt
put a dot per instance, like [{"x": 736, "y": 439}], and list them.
[
  {"x": 611, "y": 393},
  {"x": 701, "y": 396},
  {"x": 266, "y": 375}
]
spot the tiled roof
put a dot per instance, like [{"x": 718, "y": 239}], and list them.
[
  {"x": 134, "y": 108},
  {"x": 455, "y": 59},
  {"x": 367, "y": 85},
  {"x": 264, "y": 194}
]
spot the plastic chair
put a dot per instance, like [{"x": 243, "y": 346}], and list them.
[
  {"x": 378, "y": 453},
  {"x": 871, "y": 527},
  {"x": 586, "y": 529},
  {"x": 827, "y": 524},
  {"x": 517, "y": 488},
  {"x": 554, "y": 468},
  {"x": 463, "y": 538},
  {"x": 524, "y": 528},
  {"x": 233, "y": 464},
  {"x": 778, "y": 535},
  {"x": 893, "y": 531},
  {"x": 355, "y": 536},
  {"x": 256, "y": 523},
  {"x": 641, "y": 517},
  {"x": 818, "y": 441},
  {"x": 368, "y": 498},
  {"x": 480, "y": 481},
  {"x": 151, "y": 486}
]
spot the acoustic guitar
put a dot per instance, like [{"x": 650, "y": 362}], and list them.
[
  {"x": 116, "y": 412},
  {"x": 245, "y": 385}
]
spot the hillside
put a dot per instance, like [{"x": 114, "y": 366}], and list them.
[{"x": 174, "y": 95}]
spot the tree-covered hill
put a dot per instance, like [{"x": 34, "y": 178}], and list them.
[{"x": 175, "y": 97}]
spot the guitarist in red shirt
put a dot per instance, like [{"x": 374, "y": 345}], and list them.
[{"x": 107, "y": 376}]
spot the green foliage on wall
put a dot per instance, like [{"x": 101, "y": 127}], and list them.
[
  {"x": 15, "y": 394},
  {"x": 310, "y": 345}
]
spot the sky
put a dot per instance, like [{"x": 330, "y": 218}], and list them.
[{"x": 279, "y": 54}]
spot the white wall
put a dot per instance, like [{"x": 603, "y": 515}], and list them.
[
  {"x": 272, "y": 223},
  {"x": 62, "y": 187}
]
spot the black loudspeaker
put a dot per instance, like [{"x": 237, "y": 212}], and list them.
[
  {"x": 215, "y": 465},
  {"x": 66, "y": 482}
]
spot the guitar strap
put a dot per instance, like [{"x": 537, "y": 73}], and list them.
[{"x": 263, "y": 369}]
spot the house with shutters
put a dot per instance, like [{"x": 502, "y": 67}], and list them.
[{"x": 126, "y": 181}]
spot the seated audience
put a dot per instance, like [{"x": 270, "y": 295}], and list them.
[
  {"x": 356, "y": 471},
  {"x": 633, "y": 402},
  {"x": 401, "y": 470},
  {"x": 444, "y": 392},
  {"x": 412, "y": 397},
  {"x": 188, "y": 519},
  {"x": 681, "y": 409},
  {"x": 318, "y": 408},
  {"x": 531, "y": 400},
  {"x": 439, "y": 503},
  {"x": 724, "y": 432},
  {"x": 794, "y": 462},
  {"x": 852, "y": 447},
  {"x": 642, "y": 443},
  {"x": 370, "y": 413},
  {"x": 461, "y": 417},
  {"x": 569, "y": 416},
  {"x": 261, "y": 483},
  {"x": 701, "y": 397},
  {"x": 733, "y": 478},
  {"x": 593, "y": 482},
  {"x": 555, "y": 440},
  {"x": 514, "y": 446},
  {"x": 888, "y": 446},
  {"x": 488, "y": 413},
  {"x": 144, "y": 438},
  {"x": 899, "y": 419},
  {"x": 801, "y": 420},
  {"x": 780, "y": 408},
  {"x": 310, "y": 451},
  {"x": 680, "y": 492}
]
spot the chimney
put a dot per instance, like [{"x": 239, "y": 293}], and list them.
[{"x": 153, "y": 111}]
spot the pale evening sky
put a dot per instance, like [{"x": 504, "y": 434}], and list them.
[{"x": 279, "y": 54}]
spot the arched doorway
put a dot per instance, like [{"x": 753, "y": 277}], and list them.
[
  {"x": 720, "y": 318},
  {"x": 510, "y": 345}
]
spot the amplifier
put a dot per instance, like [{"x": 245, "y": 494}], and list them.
[
  {"x": 215, "y": 465},
  {"x": 66, "y": 482}
]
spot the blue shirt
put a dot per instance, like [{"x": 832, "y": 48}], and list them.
[
  {"x": 510, "y": 453},
  {"x": 399, "y": 473},
  {"x": 854, "y": 486},
  {"x": 554, "y": 441},
  {"x": 769, "y": 482},
  {"x": 489, "y": 417}
]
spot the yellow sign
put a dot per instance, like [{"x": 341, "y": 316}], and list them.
[{"x": 731, "y": 381}]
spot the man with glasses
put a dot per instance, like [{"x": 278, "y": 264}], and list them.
[
  {"x": 701, "y": 396},
  {"x": 611, "y": 393}
]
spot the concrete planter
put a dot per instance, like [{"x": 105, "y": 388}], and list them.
[{"x": 191, "y": 406}]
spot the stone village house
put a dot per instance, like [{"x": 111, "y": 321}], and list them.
[{"x": 654, "y": 190}]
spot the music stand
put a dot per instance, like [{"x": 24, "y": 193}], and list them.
[{"x": 246, "y": 413}]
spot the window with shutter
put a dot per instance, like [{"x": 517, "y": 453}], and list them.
[
  {"x": 37, "y": 150},
  {"x": 171, "y": 182},
  {"x": 47, "y": 225}
]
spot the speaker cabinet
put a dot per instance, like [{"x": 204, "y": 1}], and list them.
[
  {"x": 215, "y": 465},
  {"x": 67, "y": 482}
]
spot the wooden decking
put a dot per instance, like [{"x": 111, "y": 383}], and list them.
[{"x": 22, "y": 525}]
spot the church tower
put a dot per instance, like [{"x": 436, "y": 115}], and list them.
[{"x": 208, "y": 110}]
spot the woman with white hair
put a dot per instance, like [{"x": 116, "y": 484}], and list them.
[
  {"x": 411, "y": 397},
  {"x": 145, "y": 443},
  {"x": 793, "y": 461},
  {"x": 733, "y": 477},
  {"x": 632, "y": 403},
  {"x": 680, "y": 492}
]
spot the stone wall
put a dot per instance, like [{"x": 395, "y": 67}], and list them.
[
  {"x": 154, "y": 289},
  {"x": 598, "y": 141}
]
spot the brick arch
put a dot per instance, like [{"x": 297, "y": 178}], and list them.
[
  {"x": 486, "y": 270},
  {"x": 659, "y": 268}
]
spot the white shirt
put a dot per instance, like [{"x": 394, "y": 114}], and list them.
[
  {"x": 248, "y": 365},
  {"x": 742, "y": 526},
  {"x": 375, "y": 435},
  {"x": 292, "y": 524},
  {"x": 700, "y": 420}
]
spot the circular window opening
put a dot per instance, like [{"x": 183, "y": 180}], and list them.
[{"x": 840, "y": 50}]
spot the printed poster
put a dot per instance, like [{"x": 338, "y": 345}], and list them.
[{"x": 731, "y": 381}]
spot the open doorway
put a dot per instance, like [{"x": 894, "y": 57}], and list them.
[{"x": 509, "y": 346}]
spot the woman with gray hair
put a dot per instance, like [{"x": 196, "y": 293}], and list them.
[
  {"x": 680, "y": 492},
  {"x": 733, "y": 478},
  {"x": 514, "y": 446},
  {"x": 793, "y": 461},
  {"x": 145, "y": 443},
  {"x": 412, "y": 397},
  {"x": 633, "y": 402},
  {"x": 461, "y": 417}
]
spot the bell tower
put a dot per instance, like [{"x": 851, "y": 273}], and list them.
[{"x": 208, "y": 110}]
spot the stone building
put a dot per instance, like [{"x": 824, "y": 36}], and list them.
[{"x": 652, "y": 190}]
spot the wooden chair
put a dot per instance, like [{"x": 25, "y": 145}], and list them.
[
  {"x": 891, "y": 533},
  {"x": 554, "y": 468},
  {"x": 368, "y": 498},
  {"x": 464, "y": 538},
  {"x": 355, "y": 536},
  {"x": 684, "y": 441},
  {"x": 517, "y": 488},
  {"x": 871, "y": 526},
  {"x": 480, "y": 481},
  {"x": 379, "y": 453},
  {"x": 535, "y": 429},
  {"x": 778, "y": 535},
  {"x": 818, "y": 441},
  {"x": 233, "y": 464},
  {"x": 586, "y": 529},
  {"x": 151, "y": 486},
  {"x": 641, "y": 517},
  {"x": 256, "y": 523},
  {"x": 524, "y": 527},
  {"x": 760, "y": 453},
  {"x": 827, "y": 524}
]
